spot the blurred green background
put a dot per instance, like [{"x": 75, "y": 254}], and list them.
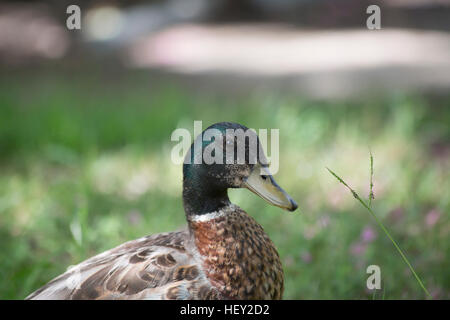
[{"x": 85, "y": 166}]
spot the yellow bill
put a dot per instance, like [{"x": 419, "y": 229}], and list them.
[{"x": 262, "y": 183}]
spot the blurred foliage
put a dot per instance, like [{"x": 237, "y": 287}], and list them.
[{"x": 85, "y": 165}]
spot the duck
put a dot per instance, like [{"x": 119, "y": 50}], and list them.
[{"x": 222, "y": 253}]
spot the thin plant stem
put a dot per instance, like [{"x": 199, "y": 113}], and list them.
[
  {"x": 384, "y": 230},
  {"x": 371, "y": 196}
]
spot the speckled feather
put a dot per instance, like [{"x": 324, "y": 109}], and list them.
[{"x": 239, "y": 258}]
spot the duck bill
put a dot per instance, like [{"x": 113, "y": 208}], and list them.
[{"x": 262, "y": 183}]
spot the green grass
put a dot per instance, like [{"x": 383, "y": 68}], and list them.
[{"x": 85, "y": 165}]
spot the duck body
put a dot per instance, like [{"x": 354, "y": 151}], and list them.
[{"x": 223, "y": 253}]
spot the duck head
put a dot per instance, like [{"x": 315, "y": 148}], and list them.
[{"x": 228, "y": 155}]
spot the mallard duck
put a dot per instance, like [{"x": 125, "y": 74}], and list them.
[{"x": 223, "y": 253}]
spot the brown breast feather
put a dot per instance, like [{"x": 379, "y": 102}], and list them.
[{"x": 239, "y": 258}]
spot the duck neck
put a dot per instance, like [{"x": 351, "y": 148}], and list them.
[{"x": 200, "y": 198}]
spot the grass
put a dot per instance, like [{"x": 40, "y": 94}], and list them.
[
  {"x": 381, "y": 225},
  {"x": 85, "y": 165}
]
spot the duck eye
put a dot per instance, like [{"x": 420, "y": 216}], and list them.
[{"x": 264, "y": 177}]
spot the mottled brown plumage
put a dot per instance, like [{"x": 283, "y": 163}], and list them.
[{"x": 239, "y": 259}]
